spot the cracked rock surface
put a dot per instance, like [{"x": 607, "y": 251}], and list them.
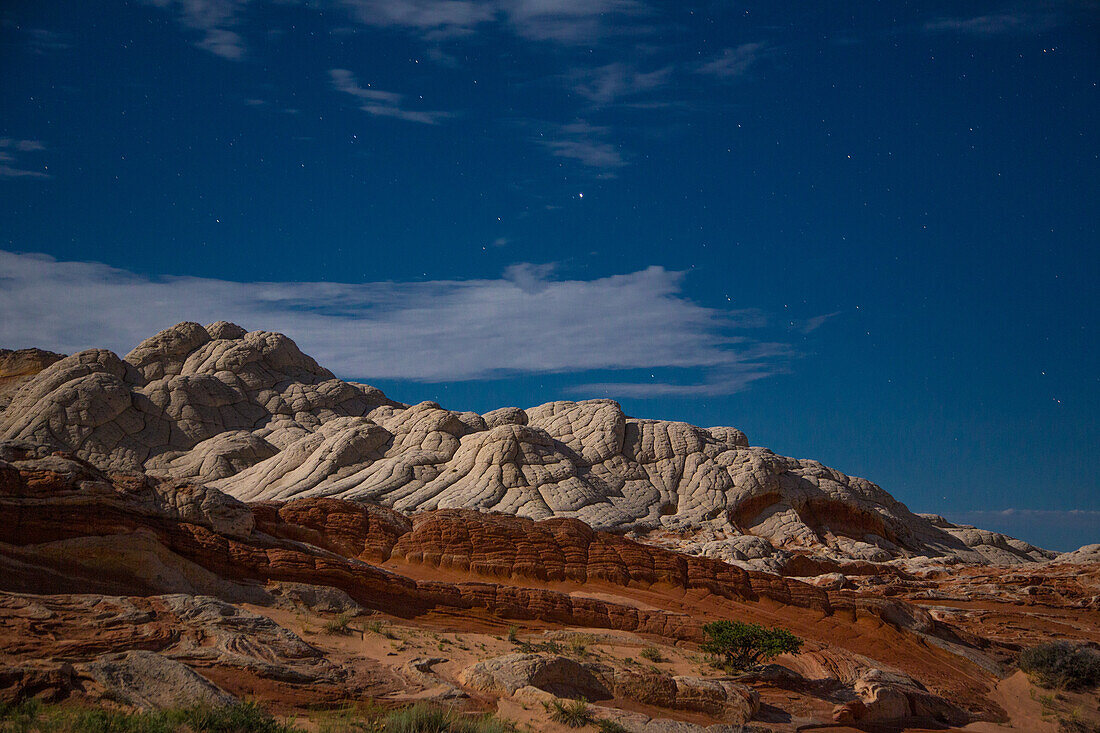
[{"x": 249, "y": 414}]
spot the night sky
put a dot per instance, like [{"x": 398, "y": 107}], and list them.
[{"x": 865, "y": 233}]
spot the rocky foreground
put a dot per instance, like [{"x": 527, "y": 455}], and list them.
[{"x": 217, "y": 518}]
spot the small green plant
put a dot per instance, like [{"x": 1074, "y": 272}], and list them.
[
  {"x": 578, "y": 648},
  {"x": 513, "y": 634},
  {"x": 611, "y": 726},
  {"x": 340, "y": 624},
  {"x": 243, "y": 718},
  {"x": 651, "y": 653},
  {"x": 1063, "y": 665},
  {"x": 1076, "y": 725},
  {"x": 425, "y": 718},
  {"x": 738, "y": 646},
  {"x": 382, "y": 629},
  {"x": 570, "y": 713}
]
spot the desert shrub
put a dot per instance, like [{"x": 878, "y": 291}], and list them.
[
  {"x": 19, "y": 717},
  {"x": 611, "y": 726},
  {"x": 1076, "y": 725},
  {"x": 1062, "y": 664},
  {"x": 513, "y": 634},
  {"x": 425, "y": 718},
  {"x": 570, "y": 713},
  {"x": 651, "y": 653},
  {"x": 243, "y": 718},
  {"x": 739, "y": 646},
  {"x": 340, "y": 624}
]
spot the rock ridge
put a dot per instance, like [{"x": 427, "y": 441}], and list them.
[{"x": 248, "y": 414}]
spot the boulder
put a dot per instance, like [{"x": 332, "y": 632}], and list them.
[{"x": 150, "y": 681}]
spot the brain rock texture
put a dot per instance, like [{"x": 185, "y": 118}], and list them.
[{"x": 252, "y": 416}]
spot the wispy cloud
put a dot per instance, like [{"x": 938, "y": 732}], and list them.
[
  {"x": 570, "y": 21},
  {"x": 442, "y": 330},
  {"x": 988, "y": 25},
  {"x": 381, "y": 103},
  {"x": 561, "y": 21},
  {"x": 42, "y": 41},
  {"x": 433, "y": 18},
  {"x": 813, "y": 323},
  {"x": 214, "y": 20},
  {"x": 608, "y": 84},
  {"x": 13, "y": 157},
  {"x": 584, "y": 143},
  {"x": 735, "y": 62}
]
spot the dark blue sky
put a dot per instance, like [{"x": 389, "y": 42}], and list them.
[{"x": 864, "y": 233}]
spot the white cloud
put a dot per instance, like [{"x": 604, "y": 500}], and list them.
[
  {"x": 382, "y": 103},
  {"x": 569, "y": 21},
  {"x": 222, "y": 42},
  {"x": 982, "y": 25},
  {"x": 734, "y": 62},
  {"x": 214, "y": 19},
  {"x": 608, "y": 84},
  {"x": 815, "y": 322},
  {"x": 436, "y": 18},
  {"x": 585, "y": 143},
  {"x": 441, "y": 330},
  {"x": 12, "y": 158},
  {"x": 42, "y": 41}
]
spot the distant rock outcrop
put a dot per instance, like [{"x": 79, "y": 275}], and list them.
[
  {"x": 17, "y": 367},
  {"x": 251, "y": 415}
]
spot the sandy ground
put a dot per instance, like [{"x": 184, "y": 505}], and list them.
[{"x": 387, "y": 645}]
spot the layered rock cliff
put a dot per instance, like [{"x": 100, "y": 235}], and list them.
[{"x": 251, "y": 415}]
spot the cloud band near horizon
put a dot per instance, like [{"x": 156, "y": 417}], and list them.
[{"x": 431, "y": 331}]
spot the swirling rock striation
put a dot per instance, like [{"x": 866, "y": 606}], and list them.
[{"x": 251, "y": 415}]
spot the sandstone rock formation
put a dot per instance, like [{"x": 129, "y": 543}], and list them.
[
  {"x": 17, "y": 367},
  {"x": 103, "y": 573},
  {"x": 723, "y": 699},
  {"x": 148, "y": 681},
  {"x": 252, "y": 416}
]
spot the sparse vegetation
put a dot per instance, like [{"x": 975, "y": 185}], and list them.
[
  {"x": 513, "y": 632},
  {"x": 1076, "y": 725},
  {"x": 32, "y": 716},
  {"x": 738, "y": 647},
  {"x": 424, "y": 718},
  {"x": 611, "y": 726},
  {"x": 1061, "y": 664},
  {"x": 340, "y": 624},
  {"x": 578, "y": 648},
  {"x": 651, "y": 653},
  {"x": 570, "y": 713},
  {"x": 382, "y": 629},
  {"x": 548, "y": 647}
]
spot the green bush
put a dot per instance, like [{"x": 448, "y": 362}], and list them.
[
  {"x": 31, "y": 716},
  {"x": 425, "y": 718},
  {"x": 611, "y": 726},
  {"x": 651, "y": 653},
  {"x": 570, "y": 713},
  {"x": 1062, "y": 664},
  {"x": 739, "y": 646},
  {"x": 340, "y": 624}
]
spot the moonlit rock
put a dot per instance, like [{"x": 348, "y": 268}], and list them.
[{"x": 251, "y": 415}]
